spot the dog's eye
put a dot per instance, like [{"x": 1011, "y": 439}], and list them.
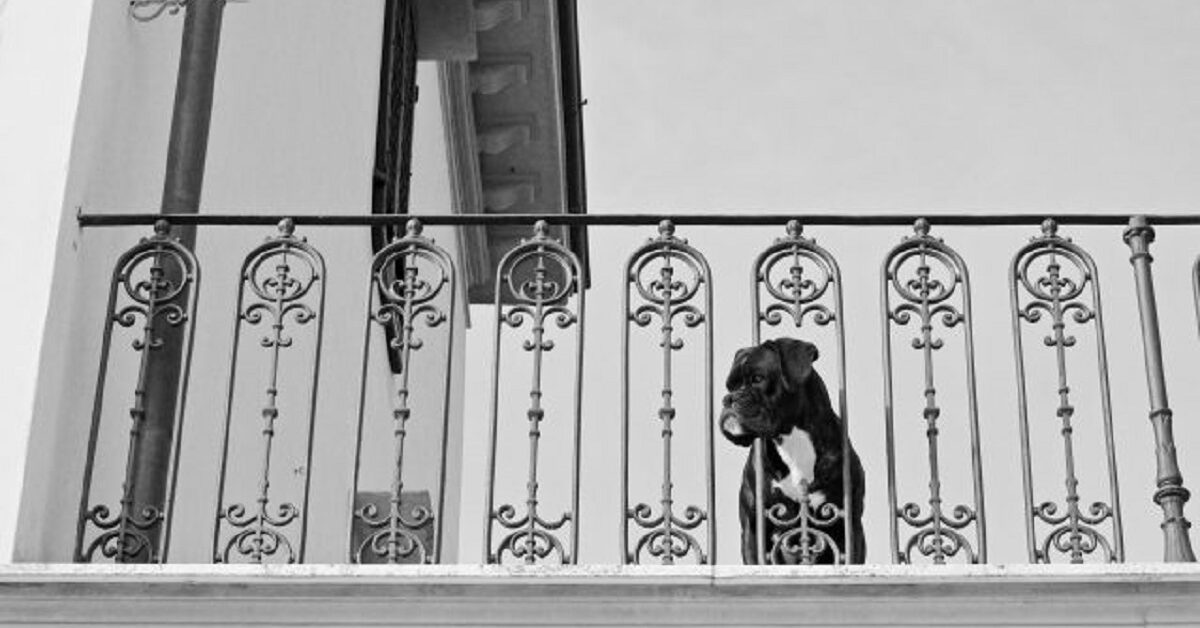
[{"x": 757, "y": 379}]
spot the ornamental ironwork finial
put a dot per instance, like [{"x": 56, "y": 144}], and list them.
[
  {"x": 1049, "y": 228},
  {"x": 794, "y": 229},
  {"x": 414, "y": 228}
]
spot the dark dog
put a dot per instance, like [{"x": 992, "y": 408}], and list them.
[{"x": 774, "y": 393}]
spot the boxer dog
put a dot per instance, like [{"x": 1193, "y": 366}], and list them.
[{"x": 775, "y": 394}]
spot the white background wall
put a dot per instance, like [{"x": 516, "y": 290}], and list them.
[
  {"x": 918, "y": 106},
  {"x": 41, "y": 63},
  {"x": 914, "y": 106},
  {"x": 312, "y": 117}
]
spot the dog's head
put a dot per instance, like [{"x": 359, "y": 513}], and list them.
[{"x": 772, "y": 388}]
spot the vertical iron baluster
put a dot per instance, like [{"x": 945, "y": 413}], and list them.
[
  {"x": 1058, "y": 292},
  {"x": 142, "y": 278},
  {"x": 1196, "y": 288},
  {"x": 1170, "y": 495},
  {"x": 400, "y": 301},
  {"x": 555, "y": 292},
  {"x": 298, "y": 268},
  {"x": 927, "y": 297},
  {"x": 667, "y": 295},
  {"x": 797, "y": 296}
]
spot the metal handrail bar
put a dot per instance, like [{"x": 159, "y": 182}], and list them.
[{"x": 630, "y": 219}]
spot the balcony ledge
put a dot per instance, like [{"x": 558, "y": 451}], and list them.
[{"x": 343, "y": 595}]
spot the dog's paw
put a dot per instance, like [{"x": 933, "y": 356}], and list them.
[
  {"x": 794, "y": 491},
  {"x": 799, "y": 493}
]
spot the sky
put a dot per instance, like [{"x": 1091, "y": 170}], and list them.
[{"x": 778, "y": 106}]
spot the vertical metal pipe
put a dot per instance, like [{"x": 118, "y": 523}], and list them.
[
  {"x": 489, "y": 514},
  {"x": 1170, "y": 494},
  {"x": 758, "y": 448},
  {"x": 186, "y": 151},
  {"x": 1196, "y": 287},
  {"x": 889, "y": 410},
  {"x": 1014, "y": 277},
  {"x": 577, "y": 276},
  {"x": 710, "y": 463},
  {"x": 973, "y": 415},
  {"x": 188, "y": 145},
  {"x": 447, "y": 383},
  {"x": 627, "y": 557}
]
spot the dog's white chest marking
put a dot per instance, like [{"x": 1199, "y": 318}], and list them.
[{"x": 799, "y": 456}]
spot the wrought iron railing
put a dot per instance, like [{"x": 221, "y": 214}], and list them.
[{"x": 668, "y": 291}]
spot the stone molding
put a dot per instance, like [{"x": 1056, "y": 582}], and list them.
[{"x": 345, "y": 595}]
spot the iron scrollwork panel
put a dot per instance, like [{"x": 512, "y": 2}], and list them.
[
  {"x": 282, "y": 288},
  {"x": 929, "y": 282},
  {"x": 539, "y": 281},
  {"x": 669, "y": 282},
  {"x": 155, "y": 283},
  {"x": 796, "y": 280},
  {"x": 1055, "y": 280},
  {"x": 412, "y": 286}
]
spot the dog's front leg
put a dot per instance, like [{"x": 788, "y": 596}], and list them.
[
  {"x": 747, "y": 502},
  {"x": 749, "y": 540}
]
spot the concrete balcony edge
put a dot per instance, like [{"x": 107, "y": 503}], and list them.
[{"x": 345, "y": 595}]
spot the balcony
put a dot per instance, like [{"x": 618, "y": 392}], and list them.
[{"x": 531, "y": 480}]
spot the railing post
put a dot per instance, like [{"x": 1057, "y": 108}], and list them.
[{"x": 1170, "y": 495}]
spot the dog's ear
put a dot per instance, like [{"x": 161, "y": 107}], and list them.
[
  {"x": 796, "y": 357},
  {"x": 739, "y": 360}
]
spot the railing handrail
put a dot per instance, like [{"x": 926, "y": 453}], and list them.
[{"x": 806, "y": 218}]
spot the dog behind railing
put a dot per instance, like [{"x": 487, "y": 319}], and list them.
[{"x": 668, "y": 289}]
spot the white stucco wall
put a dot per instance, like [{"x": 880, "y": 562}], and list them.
[
  {"x": 39, "y": 87},
  {"x": 293, "y": 132},
  {"x": 916, "y": 107}
]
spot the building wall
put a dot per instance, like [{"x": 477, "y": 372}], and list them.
[
  {"x": 39, "y": 89},
  {"x": 293, "y": 132}
]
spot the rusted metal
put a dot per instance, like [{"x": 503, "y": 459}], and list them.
[
  {"x": 664, "y": 280},
  {"x": 281, "y": 280},
  {"x": 541, "y": 280},
  {"x": 1052, "y": 276},
  {"x": 157, "y": 283},
  {"x": 925, "y": 291},
  {"x": 810, "y": 289},
  {"x": 1170, "y": 495},
  {"x": 413, "y": 285}
]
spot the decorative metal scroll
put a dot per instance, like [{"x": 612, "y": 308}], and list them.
[
  {"x": 668, "y": 281},
  {"x": 155, "y": 285},
  {"x": 149, "y": 10},
  {"x": 927, "y": 278},
  {"x": 796, "y": 280},
  {"x": 412, "y": 286},
  {"x": 1054, "y": 279},
  {"x": 282, "y": 288},
  {"x": 541, "y": 280}
]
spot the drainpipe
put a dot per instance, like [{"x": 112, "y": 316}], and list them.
[{"x": 186, "y": 152}]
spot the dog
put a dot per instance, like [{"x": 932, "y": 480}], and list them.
[{"x": 775, "y": 394}]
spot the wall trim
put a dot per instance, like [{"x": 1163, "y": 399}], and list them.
[{"x": 346, "y": 595}]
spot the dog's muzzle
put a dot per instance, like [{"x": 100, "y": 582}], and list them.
[{"x": 740, "y": 414}]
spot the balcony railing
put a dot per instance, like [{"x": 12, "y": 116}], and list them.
[{"x": 796, "y": 288}]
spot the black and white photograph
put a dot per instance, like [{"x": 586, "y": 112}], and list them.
[{"x": 599, "y": 312}]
